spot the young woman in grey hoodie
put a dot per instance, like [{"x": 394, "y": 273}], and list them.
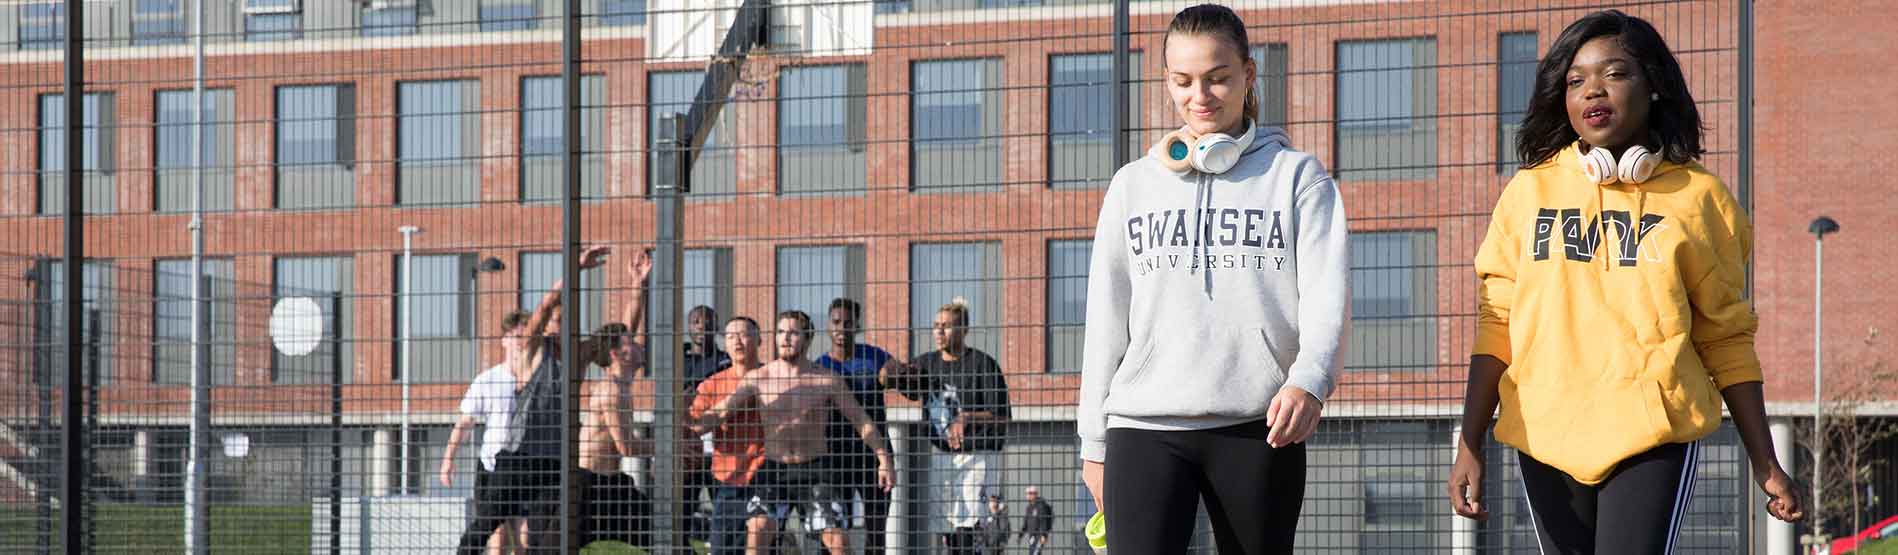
[{"x": 1218, "y": 304}]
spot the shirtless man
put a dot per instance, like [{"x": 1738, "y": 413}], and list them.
[
  {"x": 793, "y": 399},
  {"x": 614, "y": 508},
  {"x": 528, "y": 466}
]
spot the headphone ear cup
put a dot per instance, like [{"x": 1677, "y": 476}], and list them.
[
  {"x": 1637, "y": 165},
  {"x": 1176, "y": 150},
  {"x": 1215, "y": 153},
  {"x": 1598, "y": 166}
]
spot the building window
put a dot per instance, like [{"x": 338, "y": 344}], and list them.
[
  {"x": 1272, "y": 83},
  {"x": 1067, "y": 302},
  {"x": 821, "y": 129},
  {"x": 438, "y": 133},
  {"x": 1080, "y": 122},
  {"x": 42, "y": 26},
  {"x": 1387, "y": 107},
  {"x": 955, "y": 123},
  {"x": 171, "y": 351},
  {"x": 891, "y": 6},
  {"x": 539, "y": 271},
  {"x": 716, "y": 173},
  {"x": 158, "y": 22},
  {"x": 1515, "y": 84},
  {"x": 810, "y": 277},
  {"x": 1393, "y": 301},
  {"x": 510, "y": 15},
  {"x": 623, "y": 12},
  {"x": 316, "y": 146},
  {"x": 708, "y": 279},
  {"x": 326, "y": 281},
  {"x": 940, "y": 273},
  {"x": 1397, "y": 465},
  {"x": 543, "y": 144},
  {"x": 441, "y": 334},
  {"x": 267, "y": 20},
  {"x": 99, "y": 134},
  {"x": 388, "y": 19},
  {"x": 100, "y": 306},
  {"x": 175, "y": 158}
]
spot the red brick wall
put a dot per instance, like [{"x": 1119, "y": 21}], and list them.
[
  {"x": 887, "y": 219},
  {"x": 1822, "y": 136}
]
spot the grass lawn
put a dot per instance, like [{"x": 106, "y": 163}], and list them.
[
  {"x": 144, "y": 529},
  {"x": 1880, "y": 547}
]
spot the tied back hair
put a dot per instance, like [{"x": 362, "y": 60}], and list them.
[{"x": 1219, "y": 22}]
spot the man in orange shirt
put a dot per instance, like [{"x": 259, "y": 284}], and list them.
[{"x": 737, "y": 445}]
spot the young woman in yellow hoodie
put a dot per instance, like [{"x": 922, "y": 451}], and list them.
[{"x": 1613, "y": 319}]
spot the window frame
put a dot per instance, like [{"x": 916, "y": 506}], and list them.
[
  {"x": 222, "y": 314},
  {"x": 987, "y": 305},
  {"x": 1058, "y": 140},
  {"x": 1057, "y": 278},
  {"x": 171, "y": 27},
  {"x": 850, "y": 143},
  {"x": 852, "y": 264},
  {"x": 1417, "y": 116},
  {"x": 1506, "y": 160}
]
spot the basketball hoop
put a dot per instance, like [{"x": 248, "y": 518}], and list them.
[{"x": 756, "y": 72}]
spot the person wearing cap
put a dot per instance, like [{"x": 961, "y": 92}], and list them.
[
  {"x": 995, "y": 526},
  {"x": 1036, "y": 521}
]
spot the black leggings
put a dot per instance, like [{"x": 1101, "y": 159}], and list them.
[
  {"x": 1156, "y": 480},
  {"x": 1638, "y": 509}
]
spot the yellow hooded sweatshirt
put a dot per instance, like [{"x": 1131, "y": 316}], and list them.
[{"x": 1618, "y": 337}]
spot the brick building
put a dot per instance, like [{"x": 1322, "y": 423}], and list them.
[{"x": 905, "y": 153}]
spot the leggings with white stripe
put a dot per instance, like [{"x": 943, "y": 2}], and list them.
[{"x": 1638, "y": 509}]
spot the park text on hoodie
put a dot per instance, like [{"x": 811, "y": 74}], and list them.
[{"x": 1208, "y": 293}]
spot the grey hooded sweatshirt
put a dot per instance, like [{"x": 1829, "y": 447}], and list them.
[{"x": 1208, "y": 293}]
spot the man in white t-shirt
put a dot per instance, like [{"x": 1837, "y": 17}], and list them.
[{"x": 499, "y": 525}]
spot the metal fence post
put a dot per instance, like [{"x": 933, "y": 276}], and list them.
[
  {"x": 73, "y": 440},
  {"x": 336, "y": 423}
]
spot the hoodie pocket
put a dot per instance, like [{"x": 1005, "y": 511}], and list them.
[
  {"x": 1659, "y": 423},
  {"x": 1259, "y": 351},
  {"x": 1134, "y": 365}
]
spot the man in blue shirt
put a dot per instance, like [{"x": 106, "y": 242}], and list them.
[{"x": 864, "y": 367}]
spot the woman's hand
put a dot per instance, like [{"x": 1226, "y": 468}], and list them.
[
  {"x": 1293, "y": 416},
  {"x": 1782, "y": 500},
  {"x": 1094, "y": 475},
  {"x": 1466, "y": 485}
]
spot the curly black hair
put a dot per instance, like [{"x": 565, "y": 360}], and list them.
[{"x": 1674, "y": 123}]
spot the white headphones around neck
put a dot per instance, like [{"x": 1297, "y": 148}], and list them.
[
  {"x": 1211, "y": 153},
  {"x": 1635, "y": 166}
]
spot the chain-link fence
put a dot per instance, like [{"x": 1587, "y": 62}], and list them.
[{"x": 903, "y": 155}]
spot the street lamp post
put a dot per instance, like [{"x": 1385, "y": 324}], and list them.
[
  {"x": 487, "y": 265},
  {"x": 1819, "y": 228},
  {"x": 408, "y": 316}
]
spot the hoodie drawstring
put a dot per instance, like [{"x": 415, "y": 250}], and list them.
[
  {"x": 1634, "y": 225},
  {"x": 1601, "y": 229},
  {"x": 1203, "y": 199}
]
